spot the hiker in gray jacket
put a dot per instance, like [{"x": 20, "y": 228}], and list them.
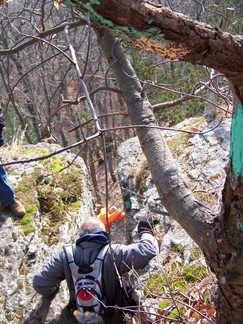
[{"x": 126, "y": 257}]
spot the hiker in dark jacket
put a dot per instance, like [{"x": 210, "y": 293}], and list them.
[{"x": 92, "y": 238}]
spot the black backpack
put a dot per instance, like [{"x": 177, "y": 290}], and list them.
[{"x": 89, "y": 296}]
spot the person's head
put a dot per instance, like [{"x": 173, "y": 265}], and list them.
[{"x": 91, "y": 225}]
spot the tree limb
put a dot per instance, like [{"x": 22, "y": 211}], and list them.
[
  {"x": 36, "y": 39},
  {"x": 178, "y": 200}
]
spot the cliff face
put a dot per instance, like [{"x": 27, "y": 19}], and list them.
[
  {"x": 55, "y": 202},
  {"x": 201, "y": 160},
  {"x": 57, "y": 195}
]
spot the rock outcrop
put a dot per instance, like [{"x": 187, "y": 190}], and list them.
[
  {"x": 201, "y": 159},
  {"x": 55, "y": 202},
  {"x": 57, "y": 194}
]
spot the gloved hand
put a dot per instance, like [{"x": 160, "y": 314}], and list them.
[
  {"x": 146, "y": 224},
  {"x": 113, "y": 215}
]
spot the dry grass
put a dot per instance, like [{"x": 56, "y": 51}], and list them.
[{"x": 11, "y": 151}]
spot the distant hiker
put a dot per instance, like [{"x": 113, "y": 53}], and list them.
[
  {"x": 93, "y": 241},
  {"x": 7, "y": 197}
]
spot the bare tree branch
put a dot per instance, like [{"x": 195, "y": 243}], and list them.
[{"x": 40, "y": 37}]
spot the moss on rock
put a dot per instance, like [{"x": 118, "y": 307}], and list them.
[
  {"x": 51, "y": 190},
  {"x": 26, "y": 193}
]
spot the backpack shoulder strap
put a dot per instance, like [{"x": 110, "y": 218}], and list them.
[
  {"x": 69, "y": 252},
  {"x": 97, "y": 265},
  {"x": 68, "y": 249},
  {"x": 102, "y": 253}
]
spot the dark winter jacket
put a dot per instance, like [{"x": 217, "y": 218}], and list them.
[{"x": 134, "y": 256}]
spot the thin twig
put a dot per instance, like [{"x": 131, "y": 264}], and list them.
[{"x": 84, "y": 87}]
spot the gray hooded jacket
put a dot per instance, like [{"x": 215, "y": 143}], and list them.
[{"x": 134, "y": 256}]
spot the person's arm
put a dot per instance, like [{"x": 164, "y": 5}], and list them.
[
  {"x": 46, "y": 282},
  {"x": 137, "y": 255}
]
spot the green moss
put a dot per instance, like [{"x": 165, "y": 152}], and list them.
[
  {"x": 177, "y": 143},
  {"x": 25, "y": 192},
  {"x": 177, "y": 279},
  {"x": 180, "y": 284},
  {"x": 37, "y": 151},
  {"x": 156, "y": 284},
  {"x": 176, "y": 248},
  {"x": 195, "y": 253},
  {"x": 194, "y": 273},
  {"x": 176, "y": 312},
  {"x": 58, "y": 193},
  {"x": 164, "y": 303},
  {"x": 72, "y": 206},
  {"x": 27, "y": 224},
  {"x": 54, "y": 164},
  {"x": 123, "y": 32},
  {"x": 17, "y": 152},
  {"x": 53, "y": 190}
]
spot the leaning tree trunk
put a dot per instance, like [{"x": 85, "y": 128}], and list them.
[{"x": 219, "y": 236}]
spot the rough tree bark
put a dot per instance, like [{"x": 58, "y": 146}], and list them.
[{"x": 155, "y": 28}]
